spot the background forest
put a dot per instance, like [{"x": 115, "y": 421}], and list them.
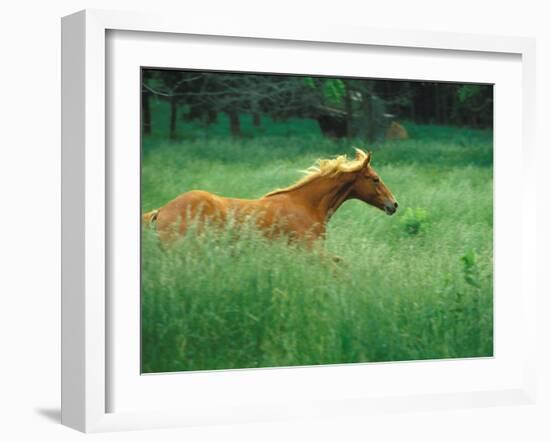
[{"x": 352, "y": 108}]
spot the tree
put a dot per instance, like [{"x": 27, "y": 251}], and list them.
[
  {"x": 146, "y": 103},
  {"x": 474, "y": 104},
  {"x": 343, "y": 107}
]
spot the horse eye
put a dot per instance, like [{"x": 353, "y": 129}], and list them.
[{"x": 376, "y": 180}]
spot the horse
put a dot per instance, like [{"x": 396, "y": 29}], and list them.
[{"x": 300, "y": 211}]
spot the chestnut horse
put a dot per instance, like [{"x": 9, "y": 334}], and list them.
[{"x": 300, "y": 211}]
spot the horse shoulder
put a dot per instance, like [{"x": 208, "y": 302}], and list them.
[{"x": 293, "y": 218}]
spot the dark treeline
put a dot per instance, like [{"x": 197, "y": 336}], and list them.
[{"x": 352, "y": 108}]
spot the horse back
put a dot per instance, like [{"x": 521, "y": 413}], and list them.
[
  {"x": 195, "y": 205},
  {"x": 275, "y": 215}
]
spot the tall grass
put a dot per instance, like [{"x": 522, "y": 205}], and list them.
[{"x": 416, "y": 285}]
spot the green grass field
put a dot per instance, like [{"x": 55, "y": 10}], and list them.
[{"x": 416, "y": 285}]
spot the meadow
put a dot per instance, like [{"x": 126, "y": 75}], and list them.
[{"x": 415, "y": 285}]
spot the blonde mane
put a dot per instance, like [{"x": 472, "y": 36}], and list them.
[{"x": 326, "y": 168}]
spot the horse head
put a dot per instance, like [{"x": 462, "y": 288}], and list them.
[{"x": 368, "y": 186}]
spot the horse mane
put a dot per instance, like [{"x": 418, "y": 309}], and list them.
[{"x": 326, "y": 168}]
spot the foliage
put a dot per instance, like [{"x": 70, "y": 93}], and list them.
[
  {"x": 474, "y": 103},
  {"x": 471, "y": 270},
  {"x": 334, "y": 90},
  {"x": 468, "y": 92},
  {"x": 352, "y": 108},
  {"x": 414, "y": 220}
]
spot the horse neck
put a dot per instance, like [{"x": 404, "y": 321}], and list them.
[{"x": 324, "y": 195}]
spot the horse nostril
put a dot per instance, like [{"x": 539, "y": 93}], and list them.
[{"x": 395, "y": 204}]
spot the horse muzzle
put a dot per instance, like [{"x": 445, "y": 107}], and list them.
[{"x": 390, "y": 207}]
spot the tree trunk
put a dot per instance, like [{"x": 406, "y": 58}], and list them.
[
  {"x": 146, "y": 113},
  {"x": 256, "y": 119},
  {"x": 173, "y": 117},
  {"x": 234, "y": 123},
  {"x": 437, "y": 97},
  {"x": 443, "y": 105},
  {"x": 412, "y": 111},
  {"x": 349, "y": 113},
  {"x": 369, "y": 114}
]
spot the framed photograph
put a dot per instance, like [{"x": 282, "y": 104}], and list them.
[{"x": 263, "y": 224}]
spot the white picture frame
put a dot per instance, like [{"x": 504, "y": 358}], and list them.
[{"x": 86, "y": 355}]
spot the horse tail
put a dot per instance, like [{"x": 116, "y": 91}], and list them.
[{"x": 150, "y": 217}]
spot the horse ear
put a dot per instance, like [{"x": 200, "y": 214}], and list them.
[
  {"x": 361, "y": 155},
  {"x": 364, "y": 157},
  {"x": 367, "y": 158}
]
